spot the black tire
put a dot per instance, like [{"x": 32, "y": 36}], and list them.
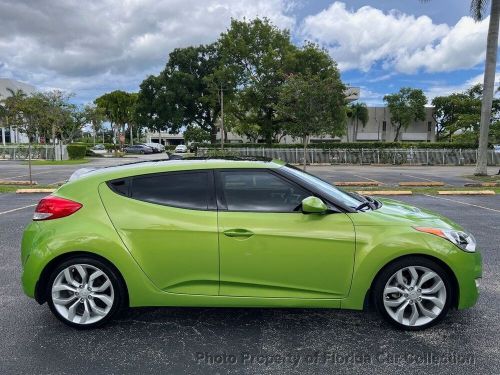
[
  {"x": 119, "y": 290},
  {"x": 387, "y": 273}
]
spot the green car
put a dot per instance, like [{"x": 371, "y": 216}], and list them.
[{"x": 240, "y": 233}]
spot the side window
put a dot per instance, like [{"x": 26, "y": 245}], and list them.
[
  {"x": 120, "y": 186},
  {"x": 184, "y": 190},
  {"x": 260, "y": 191}
]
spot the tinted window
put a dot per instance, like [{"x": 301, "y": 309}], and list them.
[
  {"x": 119, "y": 186},
  {"x": 260, "y": 191},
  {"x": 185, "y": 190}
]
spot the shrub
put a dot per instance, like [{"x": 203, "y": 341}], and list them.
[{"x": 76, "y": 151}]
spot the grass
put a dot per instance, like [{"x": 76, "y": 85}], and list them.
[
  {"x": 494, "y": 178},
  {"x": 58, "y": 162},
  {"x": 13, "y": 188}
]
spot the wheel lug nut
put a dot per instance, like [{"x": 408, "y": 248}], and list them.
[
  {"x": 89, "y": 289},
  {"x": 90, "y": 297},
  {"x": 81, "y": 300}
]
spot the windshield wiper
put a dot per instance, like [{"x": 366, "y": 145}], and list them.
[{"x": 366, "y": 204}]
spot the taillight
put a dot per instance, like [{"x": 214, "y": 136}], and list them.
[{"x": 52, "y": 207}]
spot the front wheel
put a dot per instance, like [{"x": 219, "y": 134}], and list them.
[
  {"x": 84, "y": 292},
  {"x": 413, "y": 293}
]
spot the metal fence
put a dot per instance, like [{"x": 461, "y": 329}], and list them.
[
  {"x": 20, "y": 152},
  {"x": 409, "y": 156}
]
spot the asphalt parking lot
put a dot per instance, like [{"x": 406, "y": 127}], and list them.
[
  {"x": 260, "y": 341},
  {"x": 386, "y": 175}
]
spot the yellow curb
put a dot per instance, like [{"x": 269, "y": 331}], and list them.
[
  {"x": 466, "y": 192},
  {"x": 385, "y": 192},
  {"x": 32, "y": 191},
  {"x": 356, "y": 183},
  {"x": 11, "y": 182},
  {"x": 421, "y": 183}
]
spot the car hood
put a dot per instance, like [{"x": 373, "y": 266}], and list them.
[{"x": 394, "y": 212}]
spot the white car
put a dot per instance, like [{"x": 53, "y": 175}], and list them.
[
  {"x": 496, "y": 148},
  {"x": 181, "y": 149},
  {"x": 156, "y": 147},
  {"x": 99, "y": 149}
]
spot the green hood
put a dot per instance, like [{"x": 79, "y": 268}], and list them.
[{"x": 395, "y": 212}]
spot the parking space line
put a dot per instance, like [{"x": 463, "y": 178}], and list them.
[
  {"x": 27, "y": 175},
  {"x": 366, "y": 178},
  {"x": 17, "y": 209},
  {"x": 465, "y": 203},
  {"x": 420, "y": 178}
]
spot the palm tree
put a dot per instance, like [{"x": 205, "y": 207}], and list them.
[
  {"x": 478, "y": 10},
  {"x": 357, "y": 112}
]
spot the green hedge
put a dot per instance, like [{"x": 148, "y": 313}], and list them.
[
  {"x": 353, "y": 145},
  {"x": 76, "y": 151}
]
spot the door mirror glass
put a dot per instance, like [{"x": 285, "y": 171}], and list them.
[{"x": 313, "y": 205}]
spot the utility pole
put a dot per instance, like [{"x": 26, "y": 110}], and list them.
[{"x": 221, "y": 117}]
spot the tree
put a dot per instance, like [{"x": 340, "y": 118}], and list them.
[
  {"x": 12, "y": 107},
  {"x": 115, "y": 106},
  {"x": 95, "y": 116},
  {"x": 196, "y": 134},
  {"x": 478, "y": 10},
  {"x": 183, "y": 93},
  {"x": 357, "y": 112},
  {"x": 478, "y": 7},
  {"x": 312, "y": 105},
  {"x": 460, "y": 113},
  {"x": 28, "y": 109},
  {"x": 406, "y": 106},
  {"x": 257, "y": 57},
  {"x": 150, "y": 108}
]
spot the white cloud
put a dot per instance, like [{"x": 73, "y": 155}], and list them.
[
  {"x": 463, "y": 47},
  {"x": 82, "y": 44},
  {"x": 358, "y": 39},
  {"x": 443, "y": 89}
]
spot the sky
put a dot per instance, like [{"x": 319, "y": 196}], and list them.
[{"x": 89, "y": 47}]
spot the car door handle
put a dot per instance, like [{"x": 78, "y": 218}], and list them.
[{"x": 242, "y": 233}]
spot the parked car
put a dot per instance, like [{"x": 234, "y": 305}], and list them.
[
  {"x": 496, "y": 148},
  {"x": 138, "y": 149},
  {"x": 181, "y": 149},
  {"x": 99, "y": 149},
  {"x": 237, "y": 233},
  {"x": 156, "y": 147}
]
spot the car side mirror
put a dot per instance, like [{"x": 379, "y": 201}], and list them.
[{"x": 313, "y": 205}]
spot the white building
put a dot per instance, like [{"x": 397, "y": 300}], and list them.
[
  {"x": 379, "y": 128},
  {"x": 8, "y": 133}
]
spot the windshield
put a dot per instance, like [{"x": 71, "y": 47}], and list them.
[{"x": 340, "y": 195}]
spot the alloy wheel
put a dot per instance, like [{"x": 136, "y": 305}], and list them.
[
  {"x": 82, "y": 294},
  {"x": 414, "y": 296}
]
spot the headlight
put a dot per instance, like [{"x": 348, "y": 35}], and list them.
[{"x": 463, "y": 240}]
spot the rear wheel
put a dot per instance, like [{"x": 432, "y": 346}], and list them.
[
  {"x": 84, "y": 292},
  {"x": 413, "y": 293}
]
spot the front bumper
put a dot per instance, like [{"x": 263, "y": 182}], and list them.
[{"x": 468, "y": 274}]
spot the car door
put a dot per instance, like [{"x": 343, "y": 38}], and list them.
[
  {"x": 269, "y": 248},
  {"x": 168, "y": 221}
]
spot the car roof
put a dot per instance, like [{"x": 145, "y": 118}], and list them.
[{"x": 158, "y": 166}]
